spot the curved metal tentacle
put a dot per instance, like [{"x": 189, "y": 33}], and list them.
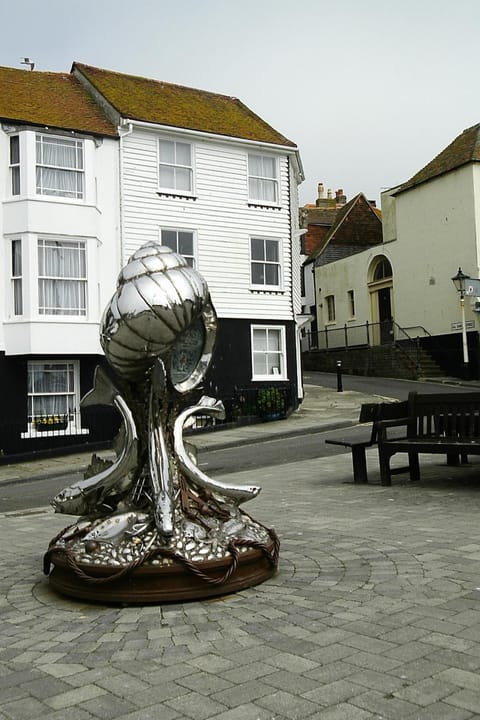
[
  {"x": 79, "y": 498},
  {"x": 159, "y": 465},
  {"x": 237, "y": 493}
]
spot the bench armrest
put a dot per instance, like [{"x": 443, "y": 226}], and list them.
[{"x": 384, "y": 425}]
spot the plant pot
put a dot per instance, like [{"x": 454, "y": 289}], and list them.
[{"x": 49, "y": 427}]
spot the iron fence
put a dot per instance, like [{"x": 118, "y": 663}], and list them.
[
  {"x": 97, "y": 427},
  {"x": 346, "y": 336}
]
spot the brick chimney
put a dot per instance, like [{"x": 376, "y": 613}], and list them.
[
  {"x": 322, "y": 201},
  {"x": 340, "y": 197}
]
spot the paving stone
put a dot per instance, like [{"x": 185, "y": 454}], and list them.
[
  {"x": 23, "y": 709},
  {"x": 385, "y": 705},
  {"x": 343, "y": 711},
  {"x": 74, "y": 697},
  {"x": 425, "y": 692},
  {"x": 466, "y": 699},
  {"x": 205, "y": 683},
  {"x": 442, "y": 711},
  {"x": 376, "y": 596},
  {"x": 287, "y": 705},
  {"x": 194, "y": 705}
]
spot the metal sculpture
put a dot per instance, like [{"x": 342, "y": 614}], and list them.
[{"x": 155, "y": 527}]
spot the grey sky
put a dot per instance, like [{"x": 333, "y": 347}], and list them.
[{"x": 370, "y": 91}]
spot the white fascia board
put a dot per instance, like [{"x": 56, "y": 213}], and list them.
[{"x": 293, "y": 151}]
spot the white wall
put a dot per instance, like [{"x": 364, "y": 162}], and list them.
[
  {"x": 429, "y": 231},
  {"x": 94, "y": 219},
  {"x": 220, "y": 215},
  {"x": 436, "y": 233}
]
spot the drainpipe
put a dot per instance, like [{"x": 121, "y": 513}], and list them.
[{"x": 123, "y": 134}]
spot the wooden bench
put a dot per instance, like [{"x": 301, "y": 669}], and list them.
[
  {"x": 361, "y": 437},
  {"x": 446, "y": 423}
]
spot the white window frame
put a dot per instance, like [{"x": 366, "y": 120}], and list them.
[
  {"x": 330, "y": 308},
  {"x": 191, "y": 259},
  {"x": 173, "y": 188},
  {"x": 17, "y": 299},
  {"x": 351, "y": 304},
  {"x": 43, "y": 167},
  {"x": 265, "y": 262},
  {"x": 58, "y": 311},
  {"x": 15, "y": 172},
  {"x": 279, "y": 370},
  {"x": 72, "y": 413},
  {"x": 263, "y": 180}
]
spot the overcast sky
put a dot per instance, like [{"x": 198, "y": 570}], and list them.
[{"x": 369, "y": 91}]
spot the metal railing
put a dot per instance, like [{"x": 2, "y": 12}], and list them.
[
  {"x": 414, "y": 342},
  {"x": 41, "y": 433},
  {"x": 347, "y": 336},
  {"x": 96, "y": 427}
]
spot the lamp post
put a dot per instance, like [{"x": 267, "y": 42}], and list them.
[{"x": 459, "y": 280}]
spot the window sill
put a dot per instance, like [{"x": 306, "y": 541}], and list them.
[
  {"x": 267, "y": 290},
  {"x": 32, "y": 433},
  {"x": 175, "y": 195},
  {"x": 269, "y": 378},
  {"x": 263, "y": 206}
]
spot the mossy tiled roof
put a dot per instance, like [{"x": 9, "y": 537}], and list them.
[
  {"x": 164, "y": 103},
  {"x": 463, "y": 150},
  {"x": 55, "y": 100},
  {"x": 356, "y": 227}
]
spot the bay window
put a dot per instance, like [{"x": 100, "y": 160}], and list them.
[
  {"x": 15, "y": 165},
  {"x": 62, "y": 277},
  {"x": 59, "y": 166},
  {"x": 268, "y": 352},
  {"x": 17, "y": 281}
]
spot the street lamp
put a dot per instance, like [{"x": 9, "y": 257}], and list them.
[{"x": 460, "y": 280}]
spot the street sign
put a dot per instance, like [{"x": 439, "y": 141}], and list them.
[
  {"x": 472, "y": 287},
  {"x": 469, "y": 324}
]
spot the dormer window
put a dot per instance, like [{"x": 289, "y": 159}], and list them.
[{"x": 60, "y": 166}]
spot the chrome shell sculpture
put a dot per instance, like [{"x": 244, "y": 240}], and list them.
[{"x": 152, "y": 525}]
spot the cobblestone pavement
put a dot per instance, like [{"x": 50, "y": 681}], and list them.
[{"x": 374, "y": 613}]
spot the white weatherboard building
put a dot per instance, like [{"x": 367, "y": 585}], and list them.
[{"x": 96, "y": 164}]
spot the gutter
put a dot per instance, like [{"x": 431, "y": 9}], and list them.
[
  {"x": 291, "y": 151},
  {"x": 122, "y": 134}
]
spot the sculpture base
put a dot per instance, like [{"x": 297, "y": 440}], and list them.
[{"x": 162, "y": 583}]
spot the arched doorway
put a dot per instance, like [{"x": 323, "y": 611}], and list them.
[{"x": 380, "y": 285}]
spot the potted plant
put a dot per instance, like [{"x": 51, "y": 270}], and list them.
[
  {"x": 271, "y": 403},
  {"x": 48, "y": 423}
]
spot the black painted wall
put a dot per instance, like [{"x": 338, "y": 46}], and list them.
[{"x": 231, "y": 367}]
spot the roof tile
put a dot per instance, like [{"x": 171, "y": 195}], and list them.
[
  {"x": 464, "y": 149},
  {"x": 164, "y": 103},
  {"x": 49, "y": 99}
]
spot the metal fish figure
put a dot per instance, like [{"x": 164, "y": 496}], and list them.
[
  {"x": 115, "y": 527},
  {"x": 237, "y": 493},
  {"x": 84, "y": 495}
]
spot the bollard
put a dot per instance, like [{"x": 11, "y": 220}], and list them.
[{"x": 339, "y": 376}]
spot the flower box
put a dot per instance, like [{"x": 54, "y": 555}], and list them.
[{"x": 50, "y": 423}]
